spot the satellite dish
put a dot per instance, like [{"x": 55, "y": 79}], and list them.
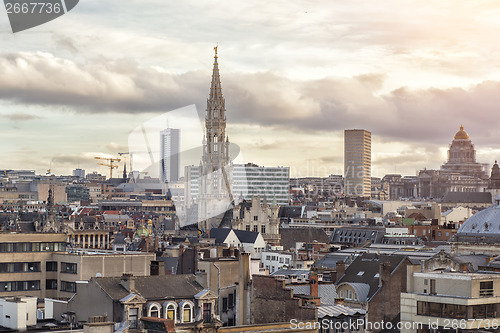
[{"x": 98, "y": 274}]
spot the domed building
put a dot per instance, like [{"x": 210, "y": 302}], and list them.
[
  {"x": 461, "y": 172},
  {"x": 480, "y": 233},
  {"x": 462, "y": 157}
]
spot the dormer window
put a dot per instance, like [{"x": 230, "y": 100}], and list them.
[
  {"x": 170, "y": 310},
  {"x": 154, "y": 310},
  {"x": 187, "y": 312}
]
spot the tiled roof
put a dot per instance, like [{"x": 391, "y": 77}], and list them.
[
  {"x": 469, "y": 197},
  {"x": 220, "y": 234},
  {"x": 246, "y": 236},
  {"x": 369, "y": 265},
  {"x": 153, "y": 287},
  {"x": 289, "y": 237},
  {"x": 337, "y": 310},
  {"x": 327, "y": 292}
]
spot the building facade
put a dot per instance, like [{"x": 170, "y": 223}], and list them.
[
  {"x": 461, "y": 172},
  {"x": 258, "y": 217},
  {"x": 437, "y": 300},
  {"x": 357, "y": 162},
  {"x": 39, "y": 265},
  {"x": 250, "y": 180}
]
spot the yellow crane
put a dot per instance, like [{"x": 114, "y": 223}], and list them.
[{"x": 110, "y": 165}]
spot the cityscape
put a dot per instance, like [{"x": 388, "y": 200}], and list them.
[{"x": 128, "y": 203}]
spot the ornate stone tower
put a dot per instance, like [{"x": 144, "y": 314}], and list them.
[
  {"x": 215, "y": 183},
  {"x": 51, "y": 223}
]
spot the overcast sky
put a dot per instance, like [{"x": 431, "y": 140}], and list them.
[{"x": 294, "y": 75}]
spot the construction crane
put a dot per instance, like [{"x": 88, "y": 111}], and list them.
[{"x": 110, "y": 165}]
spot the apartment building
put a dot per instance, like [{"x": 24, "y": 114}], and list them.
[
  {"x": 440, "y": 300},
  {"x": 41, "y": 265}
]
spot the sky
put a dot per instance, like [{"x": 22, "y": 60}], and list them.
[{"x": 295, "y": 75}]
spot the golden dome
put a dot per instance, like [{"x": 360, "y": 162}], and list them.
[{"x": 461, "y": 135}]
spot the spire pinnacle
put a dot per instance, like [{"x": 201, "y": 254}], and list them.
[{"x": 215, "y": 49}]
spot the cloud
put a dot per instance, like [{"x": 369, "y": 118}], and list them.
[
  {"x": 20, "y": 116},
  {"x": 263, "y": 98},
  {"x": 86, "y": 158},
  {"x": 113, "y": 146}
]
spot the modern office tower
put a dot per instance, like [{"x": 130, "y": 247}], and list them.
[
  {"x": 272, "y": 183},
  {"x": 169, "y": 150},
  {"x": 357, "y": 162},
  {"x": 80, "y": 173}
]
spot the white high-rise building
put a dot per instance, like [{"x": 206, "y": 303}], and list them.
[
  {"x": 80, "y": 173},
  {"x": 169, "y": 150},
  {"x": 357, "y": 162},
  {"x": 251, "y": 180}
]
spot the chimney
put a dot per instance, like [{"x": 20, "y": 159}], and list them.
[
  {"x": 128, "y": 282},
  {"x": 201, "y": 278},
  {"x": 161, "y": 267},
  {"x": 243, "y": 294},
  {"x": 384, "y": 272},
  {"x": 313, "y": 284},
  {"x": 333, "y": 276},
  {"x": 339, "y": 301},
  {"x": 340, "y": 268}
]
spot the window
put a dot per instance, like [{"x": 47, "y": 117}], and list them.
[
  {"x": 154, "y": 311},
  {"x": 68, "y": 286},
  {"x": 207, "y": 312},
  {"x": 187, "y": 312},
  {"x": 360, "y": 273},
  {"x": 19, "y": 267},
  {"x": 170, "y": 312},
  {"x": 230, "y": 301},
  {"x": 51, "y": 284},
  {"x": 486, "y": 288},
  {"x": 224, "y": 304},
  {"x": 247, "y": 227},
  {"x": 51, "y": 266},
  {"x": 433, "y": 287},
  {"x": 256, "y": 228},
  {"x": 68, "y": 267},
  {"x": 263, "y": 229},
  {"x": 423, "y": 308},
  {"x": 454, "y": 311},
  {"x": 19, "y": 286},
  {"x": 255, "y": 218}
]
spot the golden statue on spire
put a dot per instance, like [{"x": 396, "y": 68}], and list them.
[{"x": 215, "y": 48}]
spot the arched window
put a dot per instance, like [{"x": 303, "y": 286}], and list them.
[
  {"x": 170, "y": 310},
  {"x": 154, "y": 310},
  {"x": 186, "y": 312}
]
